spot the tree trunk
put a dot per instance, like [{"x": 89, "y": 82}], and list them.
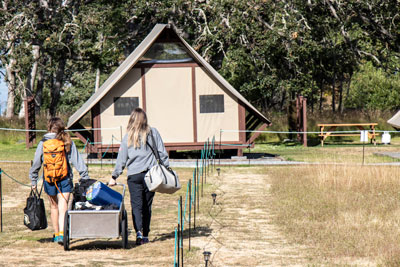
[
  {"x": 30, "y": 79},
  {"x": 321, "y": 98},
  {"x": 348, "y": 87},
  {"x": 283, "y": 100},
  {"x": 11, "y": 83},
  {"x": 341, "y": 94},
  {"x": 39, "y": 92},
  {"x": 312, "y": 95},
  {"x": 96, "y": 86},
  {"x": 333, "y": 83},
  {"x": 56, "y": 88}
]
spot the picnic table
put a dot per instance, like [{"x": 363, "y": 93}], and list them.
[{"x": 331, "y": 127}]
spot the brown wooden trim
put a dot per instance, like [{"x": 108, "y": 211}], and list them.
[
  {"x": 176, "y": 146},
  {"x": 96, "y": 122},
  {"x": 242, "y": 122},
  {"x": 108, "y": 148},
  {"x": 201, "y": 143},
  {"x": 80, "y": 136},
  {"x": 255, "y": 135},
  {"x": 166, "y": 65},
  {"x": 194, "y": 104},
  {"x": 143, "y": 89},
  {"x": 199, "y": 147}
]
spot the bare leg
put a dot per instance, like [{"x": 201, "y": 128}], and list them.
[
  {"x": 54, "y": 213},
  {"x": 62, "y": 208}
]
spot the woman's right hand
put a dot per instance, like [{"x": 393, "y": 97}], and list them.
[
  {"x": 112, "y": 182},
  {"x": 33, "y": 187}
]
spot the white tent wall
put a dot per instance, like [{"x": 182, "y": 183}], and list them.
[
  {"x": 395, "y": 120},
  {"x": 209, "y": 124},
  {"x": 169, "y": 103},
  {"x": 129, "y": 86}
]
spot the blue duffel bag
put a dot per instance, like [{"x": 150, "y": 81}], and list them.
[{"x": 102, "y": 195}]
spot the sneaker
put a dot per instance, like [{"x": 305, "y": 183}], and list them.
[
  {"x": 145, "y": 240},
  {"x": 139, "y": 238},
  {"x": 60, "y": 239},
  {"x": 55, "y": 239}
]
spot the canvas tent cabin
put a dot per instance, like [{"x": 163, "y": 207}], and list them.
[
  {"x": 183, "y": 96},
  {"x": 395, "y": 121}
]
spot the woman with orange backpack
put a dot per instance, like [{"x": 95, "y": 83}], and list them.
[{"x": 56, "y": 151}]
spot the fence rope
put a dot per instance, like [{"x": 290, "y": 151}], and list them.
[
  {"x": 15, "y": 180},
  {"x": 74, "y": 130},
  {"x": 319, "y": 132}
]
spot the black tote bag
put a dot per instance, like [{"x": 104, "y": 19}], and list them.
[{"x": 34, "y": 212}]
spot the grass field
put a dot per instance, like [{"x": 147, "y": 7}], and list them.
[
  {"x": 335, "y": 213},
  {"x": 345, "y": 212}
]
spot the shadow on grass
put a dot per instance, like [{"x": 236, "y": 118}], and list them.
[
  {"x": 203, "y": 231},
  {"x": 104, "y": 244},
  {"x": 46, "y": 240},
  {"x": 259, "y": 155},
  {"x": 94, "y": 244}
]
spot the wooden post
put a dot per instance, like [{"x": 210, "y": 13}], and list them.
[
  {"x": 30, "y": 124},
  {"x": 298, "y": 120},
  {"x": 304, "y": 121},
  {"x": 301, "y": 108}
]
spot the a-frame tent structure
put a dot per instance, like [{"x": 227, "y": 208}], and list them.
[
  {"x": 395, "y": 121},
  {"x": 184, "y": 97}
]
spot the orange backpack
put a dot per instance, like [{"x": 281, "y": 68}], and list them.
[{"x": 55, "y": 163}]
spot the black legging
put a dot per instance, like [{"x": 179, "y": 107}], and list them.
[{"x": 141, "y": 200}]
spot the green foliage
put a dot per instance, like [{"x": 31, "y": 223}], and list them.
[
  {"x": 374, "y": 89},
  {"x": 270, "y": 51}
]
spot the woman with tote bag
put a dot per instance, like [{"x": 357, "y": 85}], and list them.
[{"x": 135, "y": 154}]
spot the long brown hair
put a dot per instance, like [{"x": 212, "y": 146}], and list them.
[
  {"x": 56, "y": 125},
  {"x": 137, "y": 128}
]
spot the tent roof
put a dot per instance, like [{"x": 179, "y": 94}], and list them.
[
  {"x": 134, "y": 57},
  {"x": 395, "y": 120}
]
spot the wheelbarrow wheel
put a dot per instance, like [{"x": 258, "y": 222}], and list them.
[
  {"x": 66, "y": 231},
  {"x": 124, "y": 229}
]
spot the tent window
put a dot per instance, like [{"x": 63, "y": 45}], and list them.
[
  {"x": 212, "y": 104},
  {"x": 166, "y": 53},
  {"x": 124, "y": 105}
]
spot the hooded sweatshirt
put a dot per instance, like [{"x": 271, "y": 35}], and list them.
[
  {"x": 73, "y": 157},
  {"x": 139, "y": 159}
]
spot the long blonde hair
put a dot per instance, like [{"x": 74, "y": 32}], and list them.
[
  {"x": 56, "y": 125},
  {"x": 137, "y": 128}
]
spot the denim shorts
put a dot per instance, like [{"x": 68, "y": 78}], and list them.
[{"x": 65, "y": 186}]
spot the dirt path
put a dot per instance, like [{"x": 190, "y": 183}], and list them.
[
  {"x": 238, "y": 231},
  {"x": 243, "y": 234}
]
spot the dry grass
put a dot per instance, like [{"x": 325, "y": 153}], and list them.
[
  {"x": 265, "y": 216},
  {"x": 238, "y": 230},
  {"x": 345, "y": 212},
  {"x": 20, "y": 246}
]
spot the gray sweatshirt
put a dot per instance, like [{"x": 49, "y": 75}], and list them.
[
  {"x": 140, "y": 159},
  {"x": 73, "y": 157}
]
